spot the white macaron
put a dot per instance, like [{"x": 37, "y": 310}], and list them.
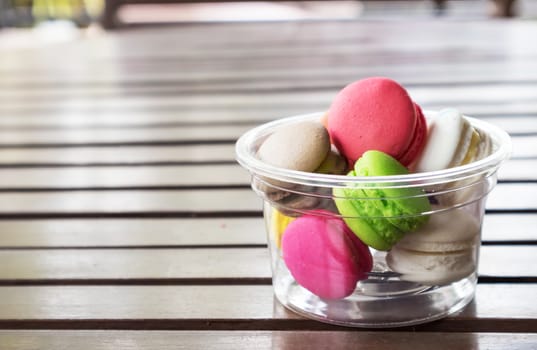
[
  {"x": 442, "y": 251},
  {"x": 451, "y": 141}
]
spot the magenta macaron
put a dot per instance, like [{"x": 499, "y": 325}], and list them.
[
  {"x": 377, "y": 114},
  {"x": 324, "y": 255}
]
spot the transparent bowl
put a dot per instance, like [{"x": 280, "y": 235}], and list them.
[{"x": 402, "y": 285}]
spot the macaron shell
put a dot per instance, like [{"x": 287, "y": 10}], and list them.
[
  {"x": 447, "y": 231},
  {"x": 473, "y": 150},
  {"x": 467, "y": 139},
  {"x": 401, "y": 206},
  {"x": 278, "y": 224},
  {"x": 442, "y": 141},
  {"x": 381, "y": 216},
  {"x": 374, "y": 113},
  {"x": 318, "y": 251},
  {"x": 484, "y": 147},
  {"x": 301, "y": 146},
  {"x": 449, "y": 134},
  {"x": 418, "y": 140},
  {"x": 441, "y": 251},
  {"x": 333, "y": 164},
  {"x": 365, "y": 262},
  {"x": 365, "y": 219},
  {"x": 432, "y": 269}
]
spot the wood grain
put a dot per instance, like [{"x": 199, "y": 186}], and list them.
[
  {"x": 182, "y": 265},
  {"x": 124, "y": 177},
  {"x": 205, "y": 115},
  {"x": 506, "y": 196},
  {"x": 199, "y": 232},
  {"x": 24, "y": 177},
  {"x": 139, "y": 232},
  {"x": 141, "y": 264},
  {"x": 242, "y": 340},
  {"x": 225, "y": 307},
  {"x": 227, "y": 93},
  {"x": 504, "y": 227},
  {"x": 198, "y": 134},
  {"x": 114, "y": 155},
  {"x": 126, "y": 223},
  {"x": 281, "y": 104},
  {"x": 186, "y": 201}
]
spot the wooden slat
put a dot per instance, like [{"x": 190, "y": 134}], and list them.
[
  {"x": 157, "y": 158},
  {"x": 194, "y": 232},
  {"x": 507, "y": 261},
  {"x": 346, "y": 61},
  {"x": 244, "y": 340},
  {"x": 512, "y": 91},
  {"x": 188, "y": 201},
  {"x": 206, "y": 115},
  {"x": 511, "y": 196},
  {"x": 437, "y": 94},
  {"x": 314, "y": 40},
  {"x": 263, "y": 35},
  {"x": 216, "y": 57},
  {"x": 151, "y": 77},
  {"x": 142, "y": 264},
  {"x": 119, "y": 155},
  {"x": 153, "y": 74},
  {"x": 124, "y": 177},
  {"x": 517, "y": 196},
  {"x": 226, "y": 112},
  {"x": 524, "y": 147},
  {"x": 507, "y": 227},
  {"x": 30, "y": 126},
  {"x": 225, "y": 307},
  {"x": 133, "y": 232},
  {"x": 315, "y": 100},
  {"x": 232, "y": 264},
  {"x": 513, "y": 124},
  {"x": 186, "y": 134},
  {"x": 202, "y": 133},
  {"x": 518, "y": 169},
  {"x": 30, "y": 177},
  {"x": 232, "y": 100},
  {"x": 152, "y": 110},
  {"x": 136, "y": 118}
]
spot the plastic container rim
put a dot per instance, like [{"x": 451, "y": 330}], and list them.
[{"x": 500, "y": 139}]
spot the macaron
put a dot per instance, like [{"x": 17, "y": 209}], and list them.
[
  {"x": 333, "y": 164},
  {"x": 442, "y": 251},
  {"x": 381, "y": 216},
  {"x": 278, "y": 224},
  {"x": 302, "y": 146},
  {"x": 451, "y": 141},
  {"x": 376, "y": 113},
  {"x": 324, "y": 256}
]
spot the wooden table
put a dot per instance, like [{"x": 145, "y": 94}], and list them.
[{"x": 126, "y": 223}]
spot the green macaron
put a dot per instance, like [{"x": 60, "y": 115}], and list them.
[{"x": 380, "y": 215}]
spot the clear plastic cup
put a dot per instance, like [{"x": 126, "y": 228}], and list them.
[{"x": 405, "y": 286}]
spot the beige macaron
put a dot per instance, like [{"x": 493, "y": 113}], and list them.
[{"x": 302, "y": 147}]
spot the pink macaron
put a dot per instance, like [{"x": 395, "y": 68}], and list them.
[
  {"x": 376, "y": 114},
  {"x": 324, "y": 255}
]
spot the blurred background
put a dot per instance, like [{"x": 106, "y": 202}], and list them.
[{"x": 113, "y": 14}]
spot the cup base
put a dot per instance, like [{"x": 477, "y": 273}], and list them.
[{"x": 380, "y": 309}]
